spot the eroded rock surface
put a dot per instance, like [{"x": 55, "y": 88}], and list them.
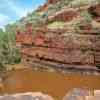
[
  {"x": 27, "y": 96},
  {"x": 66, "y": 36}
]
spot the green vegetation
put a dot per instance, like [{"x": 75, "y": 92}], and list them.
[
  {"x": 56, "y": 24},
  {"x": 84, "y": 20},
  {"x": 61, "y": 4},
  {"x": 78, "y": 3},
  {"x": 86, "y": 16},
  {"x": 9, "y": 54},
  {"x": 52, "y": 9}
]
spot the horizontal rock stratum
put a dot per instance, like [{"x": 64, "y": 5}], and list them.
[{"x": 64, "y": 38}]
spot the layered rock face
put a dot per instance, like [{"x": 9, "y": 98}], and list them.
[
  {"x": 52, "y": 1},
  {"x": 69, "y": 40}
]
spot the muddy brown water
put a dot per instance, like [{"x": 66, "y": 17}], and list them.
[{"x": 54, "y": 84}]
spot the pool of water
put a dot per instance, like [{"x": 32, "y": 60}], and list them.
[{"x": 51, "y": 83}]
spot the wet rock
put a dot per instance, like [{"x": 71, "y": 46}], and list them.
[
  {"x": 7, "y": 98},
  {"x": 27, "y": 96},
  {"x": 92, "y": 98},
  {"x": 76, "y": 93}
]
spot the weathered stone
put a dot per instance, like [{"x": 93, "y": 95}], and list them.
[
  {"x": 76, "y": 93},
  {"x": 52, "y": 1},
  {"x": 92, "y": 98},
  {"x": 9, "y": 97},
  {"x": 27, "y": 96},
  {"x": 71, "y": 46},
  {"x": 95, "y": 12},
  {"x": 65, "y": 15}
]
